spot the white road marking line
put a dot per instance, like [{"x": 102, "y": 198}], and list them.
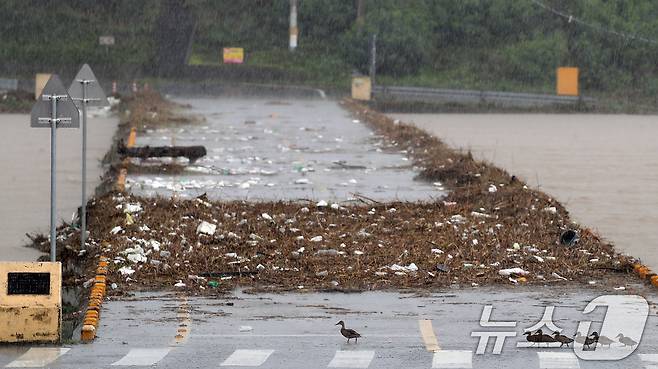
[
  {"x": 453, "y": 359},
  {"x": 38, "y": 357},
  {"x": 352, "y": 359},
  {"x": 247, "y": 358},
  {"x": 247, "y": 334},
  {"x": 143, "y": 356},
  {"x": 539, "y": 345},
  {"x": 651, "y": 358},
  {"x": 427, "y": 333},
  {"x": 558, "y": 360}
]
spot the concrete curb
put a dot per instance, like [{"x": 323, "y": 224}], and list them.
[{"x": 96, "y": 296}]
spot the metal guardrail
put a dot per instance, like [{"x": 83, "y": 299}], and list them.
[
  {"x": 8, "y": 84},
  {"x": 509, "y": 99}
]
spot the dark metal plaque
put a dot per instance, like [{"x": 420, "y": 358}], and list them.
[{"x": 28, "y": 284}]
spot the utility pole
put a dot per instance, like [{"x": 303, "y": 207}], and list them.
[
  {"x": 373, "y": 59},
  {"x": 360, "y": 11},
  {"x": 294, "y": 30}
]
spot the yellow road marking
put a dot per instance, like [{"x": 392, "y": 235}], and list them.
[
  {"x": 184, "y": 320},
  {"x": 427, "y": 332}
]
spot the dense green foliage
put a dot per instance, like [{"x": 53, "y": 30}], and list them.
[
  {"x": 514, "y": 44},
  {"x": 64, "y": 33}
]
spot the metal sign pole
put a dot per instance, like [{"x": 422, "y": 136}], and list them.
[
  {"x": 53, "y": 169},
  {"x": 54, "y": 109},
  {"x": 83, "y": 213},
  {"x": 85, "y": 91}
]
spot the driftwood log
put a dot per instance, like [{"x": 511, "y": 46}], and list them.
[{"x": 191, "y": 152}]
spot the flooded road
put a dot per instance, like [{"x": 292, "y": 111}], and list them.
[
  {"x": 260, "y": 149},
  {"x": 603, "y": 168},
  {"x": 25, "y": 185}
]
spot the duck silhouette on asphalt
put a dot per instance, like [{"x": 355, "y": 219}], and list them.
[
  {"x": 587, "y": 340},
  {"x": 539, "y": 337},
  {"x": 348, "y": 333},
  {"x": 626, "y": 341},
  {"x": 564, "y": 340}
]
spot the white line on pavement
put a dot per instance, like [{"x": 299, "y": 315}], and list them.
[
  {"x": 427, "y": 332},
  {"x": 143, "y": 356},
  {"x": 38, "y": 357},
  {"x": 247, "y": 334},
  {"x": 558, "y": 360},
  {"x": 651, "y": 358},
  {"x": 247, "y": 358},
  {"x": 538, "y": 344},
  {"x": 452, "y": 359},
  {"x": 352, "y": 359}
]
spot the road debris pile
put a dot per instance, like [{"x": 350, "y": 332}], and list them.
[
  {"x": 202, "y": 245},
  {"x": 489, "y": 229}
]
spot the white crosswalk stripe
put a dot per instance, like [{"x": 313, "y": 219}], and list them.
[
  {"x": 352, "y": 359},
  {"x": 38, "y": 357},
  {"x": 452, "y": 359},
  {"x": 143, "y": 357},
  {"x": 247, "y": 358},
  {"x": 558, "y": 360},
  {"x": 650, "y": 360}
]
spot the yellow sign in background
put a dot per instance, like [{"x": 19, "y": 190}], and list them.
[
  {"x": 233, "y": 55},
  {"x": 567, "y": 81}
]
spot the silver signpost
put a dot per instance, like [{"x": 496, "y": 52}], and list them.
[
  {"x": 85, "y": 91},
  {"x": 54, "y": 109}
]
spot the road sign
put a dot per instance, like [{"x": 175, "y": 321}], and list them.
[
  {"x": 54, "y": 109},
  {"x": 85, "y": 90},
  {"x": 67, "y": 114},
  {"x": 94, "y": 94}
]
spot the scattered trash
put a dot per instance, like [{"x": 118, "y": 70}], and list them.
[
  {"x": 512, "y": 271},
  {"x": 442, "y": 268},
  {"x": 569, "y": 238},
  {"x": 206, "y": 228},
  {"x": 327, "y": 252},
  {"x": 116, "y": 230},
  {"x": 126, "y": 270},
  {"x": 246, "y": 328}
]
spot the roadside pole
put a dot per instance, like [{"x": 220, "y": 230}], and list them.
[
  {"x": 54, "y": 109},
  {"x": 85, "y": 91}
]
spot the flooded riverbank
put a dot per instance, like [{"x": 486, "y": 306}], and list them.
[{"x": 603, "y": 168}]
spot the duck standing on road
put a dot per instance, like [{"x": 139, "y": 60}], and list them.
[
  {"x": 564, "y": 340},
  {"x": 605, "y": 341},
  {"x": 348, "y": 333},
  {"x": 626, "y": 341},
  {"x": 586, "y": 340},
  {"x": 534, "y": 338},
  {"x": 545, "y": 338},
  {"x": 594, "y": 339}
]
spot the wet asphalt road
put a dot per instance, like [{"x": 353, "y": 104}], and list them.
[
  {"x": 603, "y": 168},
  {"x": 281, "y": 149},
  {"x": 25, "y": 184},
  {"x": 298, "y": 331}
]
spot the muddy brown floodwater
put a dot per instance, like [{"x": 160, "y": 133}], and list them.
[
  {"x": 25, "y": 183},
  {"x": 280, "y": 149},
  {"x": 603, "y": 168}
]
